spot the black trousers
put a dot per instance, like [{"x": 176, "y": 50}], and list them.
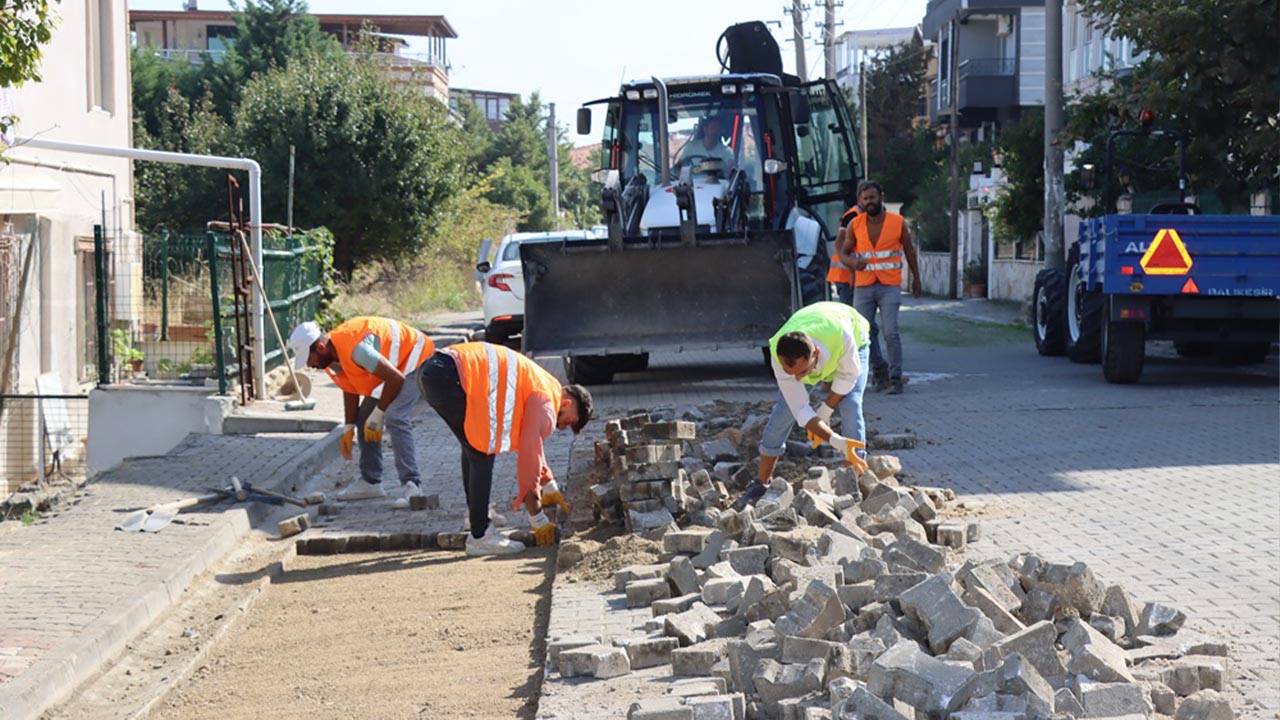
[{"x": 443, "y": 391}]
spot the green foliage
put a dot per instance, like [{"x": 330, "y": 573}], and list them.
[
  {"x": 29, "y": 517},
  {"x": 893, "y": 83},
  {"x": 122, "y": 348},
  {"x": 930, "y": 214},
  {"x": 1017, "y": 213},
  {"x": 975, "y": 273},
  {"x": 181, "y": 197},
  {"x": 1209, "y": 72},
  {"x": 25, "y": 25}
]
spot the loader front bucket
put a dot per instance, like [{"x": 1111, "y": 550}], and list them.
[{"x": 585, "y": 298}]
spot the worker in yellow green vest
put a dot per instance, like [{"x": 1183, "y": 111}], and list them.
[{"x": 819, "y": 355}]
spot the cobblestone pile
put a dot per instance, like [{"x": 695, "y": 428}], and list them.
[{"x": 844, "y": 596}]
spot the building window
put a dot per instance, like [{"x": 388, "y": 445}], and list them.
[
  {"x": 219, "y": 39},
  {"x": 87, "y": 327},
  {"x": 100, "y": 47}
]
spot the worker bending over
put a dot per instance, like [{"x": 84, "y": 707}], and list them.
[
  {"x": 496, "y": 400},
  {"x": 371, "y": 359},
  {"x": 823, "y": 346}
]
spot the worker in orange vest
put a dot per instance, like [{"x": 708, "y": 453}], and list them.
[
  {"x": 875, "y": 245},
  {"x": 838, "y": 275},
  {"x": 375, "y": 361},
  {"x": 496, "y": 400}
]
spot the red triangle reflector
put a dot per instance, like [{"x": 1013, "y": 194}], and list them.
[{"x": 1190, "y": 287}]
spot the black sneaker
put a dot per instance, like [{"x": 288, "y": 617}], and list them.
[
  {"x": 895, "y": 387},
  {"x": 754, "y": 492}
]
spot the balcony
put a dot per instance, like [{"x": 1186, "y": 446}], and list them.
[{"x": 988, "y": 83}]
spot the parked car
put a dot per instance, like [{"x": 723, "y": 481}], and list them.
[{"x": 503, "y": 281}]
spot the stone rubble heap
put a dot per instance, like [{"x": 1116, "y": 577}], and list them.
[{"x": 847, "y": 598}]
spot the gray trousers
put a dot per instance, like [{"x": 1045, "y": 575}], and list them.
[
  {"x": 887, "y": 299},
  {"x": 399, "y": 425}
]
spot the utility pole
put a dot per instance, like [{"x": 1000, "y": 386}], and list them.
[
  {"x": 1054, "y": 193},
  {"x": 797, "y": 25},
  {"x": 954, "y": 131},
  {"x": 829, "y": 36},
  {"x": 553, "y": 160},
  {"x": 862, "y": 110}
]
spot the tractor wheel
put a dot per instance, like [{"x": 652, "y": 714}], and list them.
[
  {"x": 1051, "y": 315},
  {"x": 1084, "y": 315},
  {"x": 1123, "y": 350}
]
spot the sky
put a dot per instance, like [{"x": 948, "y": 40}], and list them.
[{"x": 574, "y": 51}]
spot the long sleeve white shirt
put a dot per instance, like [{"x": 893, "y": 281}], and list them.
[{"x": 847, "y": 371}]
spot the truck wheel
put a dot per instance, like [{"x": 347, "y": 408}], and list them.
[
  {"x": 1192, "y": 348},
  {"x": 588, "y": 369},
  {"x": 1084, "y": 315},
  {"x": 1123, "y": 350},
  {"x": 1241, "y": 353},
  {"x": 629, "y": 362},
  {"x": 1051, "y": 315}
]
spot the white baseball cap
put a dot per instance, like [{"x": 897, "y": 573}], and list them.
[{"x": 300, "y": 342}]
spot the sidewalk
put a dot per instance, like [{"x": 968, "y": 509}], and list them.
[
  {"x": 75, "y": 590},
  {"x": 1001, "y": 312}
]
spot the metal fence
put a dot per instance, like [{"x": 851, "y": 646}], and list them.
[
  {"x": 42, "y": 441},
  {"x": 179, "y": 315}
]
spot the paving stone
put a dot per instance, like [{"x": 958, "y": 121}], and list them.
[
  {"x": 658, "y": 453},
  {"x": 1112, "y": 628},
  {"x": 719, "y": 450},
  {"x": 923, "y": 682},
  {"x": 716, "y": 591},
  {"x": 862, "y": 705},
  {"x": 1065, "y": 702},
  {"x": 884, "y": 466},
  {"x": 753, "y": 598},
  {"x": 935, "y": 604},
  {"x": 452, "y": 541},
  {"x": 660, "y": 708},
  {"x": 1001, "y": 618},
  {"x": 1073, "y": 585},
  {"x": 917, "y": 556},
  {"x": 711, "y": 549},
  {"x": 814, "y": 614},
  {"x": 697, "y": 659},
  {"x": 597, "y": 661},
  {"x": 651, "y": 472},
  {"x": 845, "y": 480},
  {"x": 818, "y": 480},
  {"x": 1019, "y": 677},
  {"x": 1164, "y": 700},
  {"x": 1000, "y": 587},
  {"x": 642, "y": 521},
  {"x": 866, "y": 568},
  {"x": 854, "y": 658},
  {"x": 748, "y": 560},
  {"x": 1093, "y": 655},
  {"x": 952, "y": 534},
  {"x": 733, "y": 523},
  {"x": 643, "y": 593},
  {"x": 891, "y": 585},
  {"x": 1119, "y": 603},
  {"x": 1036, "y": 644},
  {"x": 675, "y": 430},
  {"x": 682, "y": 576},
  {"x": 1038, "y": 605},
  {"x": 1104, "y": 700},
  {"x": 718, "y": 707},
  {"x": 776, "y": 681},
  {"x": 645, "y": 652},
  {"x": 801, "y": 650},
  {"x": 676, "y": 604},
  {"x": 1160, "y": 619},
  {"x": 744, "y": 655},
  {"x": 691, "y": 626},
  {"x": 963, "y": 650},
  {"x": 815, "y": 508},
  {"x": 631, "y": 573},
  {"x": 689, "y": 687},
  {"x": 569, "y": 642},
  {"x": 1205, "y": 705},
  {"x": 689, "y": 542}
]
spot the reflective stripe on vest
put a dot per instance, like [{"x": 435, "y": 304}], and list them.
[
  {"x": 884, "y": 258},
  {"x": 508, "y": 399},
  {"x": 498, "y": 382},
  {"x": 392, "y": 336},
  {"x": 415, "y": 355}
]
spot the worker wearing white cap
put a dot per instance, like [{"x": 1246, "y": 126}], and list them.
[{"x": 376, "y": 362}]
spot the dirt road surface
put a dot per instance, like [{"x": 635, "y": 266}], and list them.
[{"x": 390, "y": 635}]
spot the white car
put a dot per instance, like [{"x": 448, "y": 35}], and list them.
[{"x": 503, "y": 281}]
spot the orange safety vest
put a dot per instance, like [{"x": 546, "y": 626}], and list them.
[
  {"x": 837, "y": 272},
  {"x": 404, "y": 347},
  {"x": 498, "y": 382},
  {"x": 884, "y": 258}
]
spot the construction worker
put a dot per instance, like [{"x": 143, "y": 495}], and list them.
[
  {"x": 823, "y": 346},
  {"x": 875, "y": 244},
  {"x": 839, "y": 276},
  {"x": 496, "y": 400},
  {"x": 708, "y": 146},
  {"x": 375, "y": 361}
]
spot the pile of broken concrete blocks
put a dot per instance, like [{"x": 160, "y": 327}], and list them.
[
  {"x": 645, "y": 482},
  {"x": 850, "y": 600}
]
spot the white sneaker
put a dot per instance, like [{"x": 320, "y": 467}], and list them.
[
  {"x": 493, "y": 543},
  {"x": 361, "y": 490},
  {"x": 410, "y": 489},
  {"x": 495, "y": 517}
]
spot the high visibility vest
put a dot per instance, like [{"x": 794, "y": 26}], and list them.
[
  {"x": 837, "y": 272},
  {"x": 498, "y": 382},
  {"x": 884, "y": 258},
  {"x": 825, "y": 322},
  {"x": 403, "y": 346}
]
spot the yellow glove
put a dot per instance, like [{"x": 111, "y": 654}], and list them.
[
  {"x": 544, "y": 532},
  {"x": 824, "y": 413},
  {"x": 849, "y": 448},
  {"x": 373, "y": 426},
  {"x": 551, "y": 495},
  {"x": 348, "y": 441}
]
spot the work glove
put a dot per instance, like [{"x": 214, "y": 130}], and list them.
[
  {"x": 544, "y": 532},
  {"x": 823, "y": 412},
  {"x": 374, "y": 425},
  {"x": 551, "y": 495},
  {"x": 849, "y": 448},
  {"x": 348, "y": 441}
]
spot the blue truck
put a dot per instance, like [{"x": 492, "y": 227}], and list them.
[{"x": 1209, "y": 283}]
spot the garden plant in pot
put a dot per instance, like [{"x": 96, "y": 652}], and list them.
[
  {"x": 975, "y": 280},
  {"x": 126, "y": 355}
]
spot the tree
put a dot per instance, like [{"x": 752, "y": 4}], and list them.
[
  {"x": 894, "y": 82},
  {"x": 25, "y": 25},
  {"x": 181, "y": 197},
  {"x": 1018, "y": 211},
  {"x": 1209, "y": 72},
  {"x": 376, "y": 162}
]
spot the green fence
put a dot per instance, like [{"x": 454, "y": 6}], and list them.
[{"x": 169, "y": 311}]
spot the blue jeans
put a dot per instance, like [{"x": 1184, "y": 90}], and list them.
[
  {"x": 888, "y": 300},
  {"x": 843, "y": 292},
  {"x": 399, "y": 425},
  {"x": 774, "y": 441}
]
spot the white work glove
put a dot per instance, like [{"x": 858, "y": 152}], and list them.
[
  {"x": 824, "y": 412},
  {"x": 543, "y": 531},
  {"x": 348, "y": 441},
  {"x": 849, "y": 447},
  {"x": 374, "y": 425}
]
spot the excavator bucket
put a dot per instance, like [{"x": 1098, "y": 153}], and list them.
[{"x": 640, "y": 295}]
